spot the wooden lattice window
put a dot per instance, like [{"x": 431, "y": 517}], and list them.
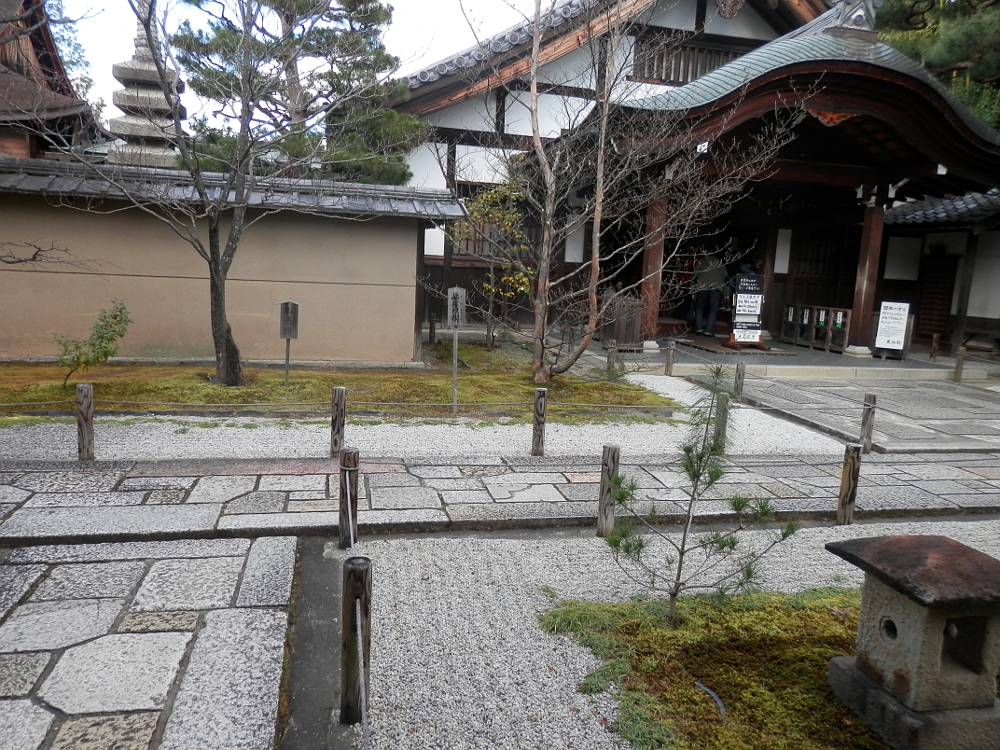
[{"x": 672, "y": 64}]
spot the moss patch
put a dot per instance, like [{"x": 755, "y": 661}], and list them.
[
  {"x": 491, "y": 378},
  {"x": 764, "y": 655}
]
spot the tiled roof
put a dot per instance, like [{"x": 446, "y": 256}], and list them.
[
  {"x": 24, "y": 99},
  {"x": 41, "y": 177},
  {"x": 561, "y": 12},
  {"x": 806, "y": 44},
  {"x": 953, "y": 209}
]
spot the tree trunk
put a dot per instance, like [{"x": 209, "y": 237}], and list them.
[{"x": 228, "y": 370}]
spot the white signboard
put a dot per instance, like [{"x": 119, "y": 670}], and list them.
[
  {"x": 748, "y": 336},
  {"x": 892, "y": 325},
  {"x": 748, "y": 304}
]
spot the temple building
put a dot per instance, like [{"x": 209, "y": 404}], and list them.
[{"x": 885, "y": 192}]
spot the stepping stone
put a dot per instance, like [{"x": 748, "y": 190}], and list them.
[
  {"x": 237, "y": 660},
  {"x": 267, "y": 578},
  {"x": 23, "y": 725},
  {"x": 301, "y": 483},
  {"x": 46, "y": 626},
  {"x": 257, "y": 502},
  {"x": 120, "y": 672},
  {"x": 90, "y": 581},
  {"x": 20, "y": 672},
  {"x": 391, "y": 498},
  {"x": 220, "y": 489},
  {"x": 188, "y": 585},
  {"x": 116, "y": 732}
]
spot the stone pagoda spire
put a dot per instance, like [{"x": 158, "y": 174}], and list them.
[{"x": 147, "y": 124}]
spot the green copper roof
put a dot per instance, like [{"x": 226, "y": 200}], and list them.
[{"x": 809, "y": 43}]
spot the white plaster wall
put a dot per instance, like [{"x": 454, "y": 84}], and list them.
[
  {"x": 902, "y": 258},
  {"x": 478, "y": 164},
  {"x": 433, "y": 241},
  {"x": 783, "y": 251},
  {"x": 984, "y": 297},
  {"x": 575, "y": 235},
  {"x": 472, "y": 114},
  {"x": 573, "y": 69},
  {"x": 554, "y": 113},
  {"x": 426, "y": 163},
  {"x": 746, "y": 25},
  {"x": 675, "y": 14}
]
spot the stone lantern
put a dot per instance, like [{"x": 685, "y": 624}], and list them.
[{"x": 928, "y": 646}]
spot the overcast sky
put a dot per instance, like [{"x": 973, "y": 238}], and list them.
[{"x": 422, "y": 32}]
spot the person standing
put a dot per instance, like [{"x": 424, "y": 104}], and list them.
[{"x": 710, "y": 280}]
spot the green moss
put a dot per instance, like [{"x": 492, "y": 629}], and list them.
[
  {"x": 765, "y": 655},
  {"x": 497, "y": 377}
]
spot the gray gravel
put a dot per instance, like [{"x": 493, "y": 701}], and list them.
[
  {"x": 459, "y": 659},
  {"x": 751, "y": 433}
]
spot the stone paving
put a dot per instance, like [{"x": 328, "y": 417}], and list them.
[
  {"x": 51, "y": 502},
  {"x": 116, "y": 645},
  {"x": 911, "y": 416},
  {"x": 145, "y": 604}
]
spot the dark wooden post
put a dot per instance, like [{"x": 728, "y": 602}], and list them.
[
  {"x": 337, "y": 417},
  {"x": 721, "y": 422},
  {"x": 354, "y": 672},
  {"x": 85, "y": 422},
  {"x": 652, "y": 268},
  {"x": 935, "y": 343},
  {"x": 867, "y": 278},
  {"x": 867, "y": 423},
  {"x": 606, "y": 507},
  {"x": 668, "y": 367},
  {"x": 538, "y": 425},
  {"x": 741, "y": 371},
  {"x": 965, "y": 289},
  {"x": 347, "y": 524},
  {"x": 432, "y": 331},
  {"x": 848, "y": 484},
  {"x": 612, "y": 358},
  {"x": 959, "y": 365}
]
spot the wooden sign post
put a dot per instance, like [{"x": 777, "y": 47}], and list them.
[{"x": 288, "y": 329}]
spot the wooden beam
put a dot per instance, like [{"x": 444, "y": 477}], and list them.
[
  {"x": 553, "y": 50},
  {"x": 867, "y": 278},
  {"x": 652, "y": 267},
  {"x": 965, "y": 288}
]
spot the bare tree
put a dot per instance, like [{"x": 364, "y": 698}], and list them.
[
  {"x": 636, "y": 178},
  {"x": 293, "y": 92}
]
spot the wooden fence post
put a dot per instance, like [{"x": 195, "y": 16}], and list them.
[
  {"x": 848, "y": 484},
  {"x": 959, "y": 364},
  {"x": 347, "y": 524},
  {"x": 538, "y": 426},
  {"x": 867, "y": 423},
  {"x": 741, "y": 371},
  {"x": 354, "y": 674},
  {"x": 432, "y": 330},
  {"x": 606, "y": 507},
  {"x": 935, "y": 343},
  {"x": 85, "y": 422},
  {"x": 609, "y": 367},
  {"x": 337, "y": 421},
  {"x": 721, "y": 422},
  {"x": 668, "y": 367}
]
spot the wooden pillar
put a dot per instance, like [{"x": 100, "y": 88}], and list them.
[
  {"x": 652, "y": 267},
  {"x": 867, "y": 279},
  {"x": 419, "y": 297},
  {"x": 770, "y": 310},
  {"x": 964, "y": 290}
]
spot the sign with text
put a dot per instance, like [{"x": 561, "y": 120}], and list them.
[
  {"x": 892, "y": 325},
  {"x": 748, "y": 304},
  {"x": 288, "y": 327}
]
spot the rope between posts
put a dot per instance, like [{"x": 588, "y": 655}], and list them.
[
  {"x": 41, "y": 403},
  {"x": 236, "y": 405}
]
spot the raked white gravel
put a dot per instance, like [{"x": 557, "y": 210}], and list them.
[
  {"x": 460, "y": 661},
  {"x": 751, "y": 433}
]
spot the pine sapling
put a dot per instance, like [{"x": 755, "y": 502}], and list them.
[{"x": 719, "y": 560}]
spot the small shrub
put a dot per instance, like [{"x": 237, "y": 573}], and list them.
[{"x": 102, "y": 344}]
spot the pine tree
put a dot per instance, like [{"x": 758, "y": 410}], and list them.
[{"x": 958, "y": 40}]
